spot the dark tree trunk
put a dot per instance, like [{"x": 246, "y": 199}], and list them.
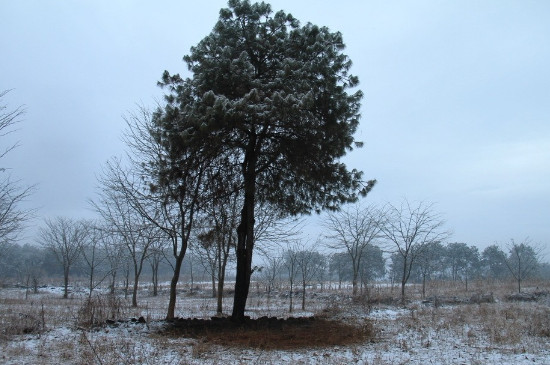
[
  {"x": 66, "y": 282},
  {"x": 173, "y": 285},
  {"x": 354, "y": 284},
  {"x": 137, "y": 273},
  {"x": 245, "y": 235},
  {"x": 303, "y": 295},
  {"x": 213, "y": 279},
  {"x": 135, "y": 290},
  {"x": 113, "y": 282},
  {"x": 403, "y": 280},
  {"x": 355, "y": 262},
  {"x": 126, "y": 283},
  {"x": 221, "y": 281},
  {"x": 155, "y": 284},
  {"x": 91, "y": 283},
  {"x": 242, "y": 279},
  {"x": 219, "y": 299}
]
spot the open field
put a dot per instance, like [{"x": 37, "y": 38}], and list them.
[{"x": 474, "y": 327}]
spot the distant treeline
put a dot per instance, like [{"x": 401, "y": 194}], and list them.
[{"x": 33, "y": 265}]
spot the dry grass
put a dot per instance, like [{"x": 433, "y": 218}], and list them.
[
  {"x": 496, "y": 323},
  {"x": 19, "y": 319},
  {"x": 339, "y": 324},
  {"x": 98, "y": 309},
  {"x": 272, "y": 333}
]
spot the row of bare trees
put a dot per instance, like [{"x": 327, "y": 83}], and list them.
[
  {"x": 406, "y": 230},
  {"x": 414, "y": 236},
  {"x": 99, "y": 252},
  {"x": 84, "y": 246},
  {"x": 459, "y": 262}
]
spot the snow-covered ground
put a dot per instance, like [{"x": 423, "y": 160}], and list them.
[{"x": 489, "y": 333}]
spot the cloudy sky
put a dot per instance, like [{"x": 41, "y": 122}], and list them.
[{"x": 456, "y": 108}]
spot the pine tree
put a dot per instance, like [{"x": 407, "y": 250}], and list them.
[{"x": 272, "y": 95}]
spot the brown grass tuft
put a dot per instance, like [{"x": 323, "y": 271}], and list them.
[{"x": 95, "y": 311}]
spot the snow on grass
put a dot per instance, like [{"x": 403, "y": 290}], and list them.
[
  {"x": 387, "y": 313},
  {"x": 492, "y": 333}
]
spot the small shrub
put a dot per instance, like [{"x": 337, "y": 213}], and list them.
[
  {"x": 199, "y": 349},
  {"x": 30, "y": 322},
  {"x": 540, "y": 323},
  {"x": 22, "y": 323},
  {"x": 95, "y": 311}
]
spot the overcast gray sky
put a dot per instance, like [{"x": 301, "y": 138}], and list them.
[{"x": 456, "y": 108}]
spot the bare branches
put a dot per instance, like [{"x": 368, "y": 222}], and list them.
[
  {"x": 411, "y": 229},
  {"x": 7, "y": 120},
  {"x": 523, "y": 260},
  {"x": 354, "y": 229},
  {"x": 304, "y": 264},
  {"x": 12, "y": 218},
  {"x": 165, "y": 186},
  {"x": 64, "y": 237},
  {"x": 273, "y": 228},
  {"x": 120, "y": 209}
]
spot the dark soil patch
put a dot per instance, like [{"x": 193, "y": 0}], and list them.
[{"x": 271, "y": 333}]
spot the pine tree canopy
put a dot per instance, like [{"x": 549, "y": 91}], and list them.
[{"x": 265, "y": 88}]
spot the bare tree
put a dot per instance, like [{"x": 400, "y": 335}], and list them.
[
  {"x": 290, "y": 257},
  {"x": 303, "y": 264},
  {"x": 410, "y": 230},
  {"x": 271, "y": 270},
  {"x": 93, "y": 256},
  {"x": 355, "y": 229},
  {"x": 64, "y": 237},
  {"x": 429, "y": 261},
  {"x": 28, "y": 264},
  {"x": 523, "y": 260},
  {"x": 115, "y": 253},
  {"x": 12, "y": 194},
  {"x": 156, "y": 256},
  {"x": 208, "y": 253},
  {"x": 310, "y": 265},
  {"x": 135, "y": 231},
  {"x": 168, "y": 191},
  {"x": 217, "y": 234}
]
